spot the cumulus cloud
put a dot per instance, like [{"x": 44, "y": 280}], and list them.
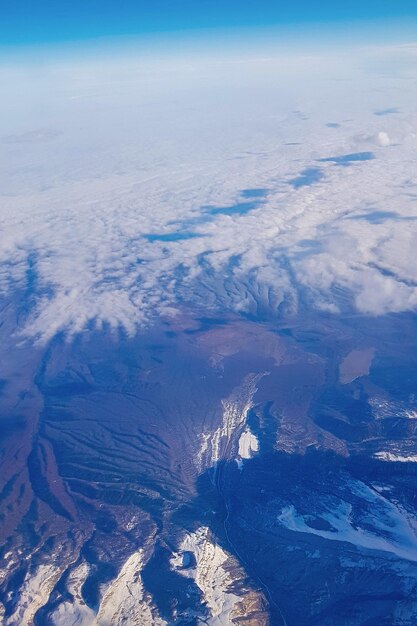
[
  {"x": 383, "y": 139},
  {"x": 105, "y": 217}
]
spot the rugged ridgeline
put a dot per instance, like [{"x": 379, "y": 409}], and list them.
[{"x": 211, "y": 471}]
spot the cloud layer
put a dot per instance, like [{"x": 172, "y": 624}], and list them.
[{"x": 131, "y": 189}]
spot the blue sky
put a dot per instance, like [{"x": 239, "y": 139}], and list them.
[{"x": 26, "y": 22}]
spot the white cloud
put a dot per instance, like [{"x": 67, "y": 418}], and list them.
[
  {"x": 103, "y": 156},
  {"x": 383, "y": 139}
]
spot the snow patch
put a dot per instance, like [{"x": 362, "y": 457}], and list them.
[
  {"x": 248, "y": 445},
  {"x": 224, "y": 442},
  {"x": 126, "y": 601},
  {"x": 399, "y": 458},
  {"x": 217, "y": 574},
  {"x": 392, "y": 530},
  {"x": 75, "y": 612},
  {"x": 35, "y": 593}
]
